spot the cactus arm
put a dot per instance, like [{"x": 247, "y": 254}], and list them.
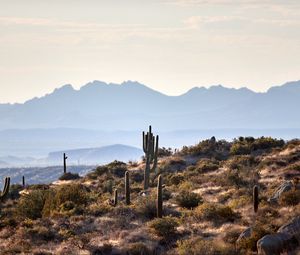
[
  {"x": 5, "y": 189},
  {"x": 144, "y": 142}
]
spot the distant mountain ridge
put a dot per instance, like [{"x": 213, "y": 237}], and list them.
[
  {"x": 132, "y": 106},
  {"x": 82, "y": 156},
  {"x": 95, "y": 156}
]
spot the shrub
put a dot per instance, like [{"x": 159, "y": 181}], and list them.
[
  {"x": 14, "y": 191},
  {"x": 146, "y": 207},
  {"x": 175, "y": 179},
  {"x": 164, "y": 227},
  {"x": 188, "y": 199},
  {"x": 232, "y": 178},
  {"x": 247, "y": 145},
  {"x": 290, "y": 198},
  {"x": 238, "y": 162},
  {"x": 32, "y": 204},
  {"x": 207, "y": 165},
  {"x": 138, "y": 249},
  {"x": 164, "y": 152},
  {"x": 69, "y": 176},
  {"x": 66, "y": 196},
  {"x": 199, "y": 246},
  {"x": 40, "y": 233},
  {"x": 240, "y": 149},
  {"x": 215, "y": 212},
  {"x": 117, "y": 168},
  {"x": 173, "y": 164}
]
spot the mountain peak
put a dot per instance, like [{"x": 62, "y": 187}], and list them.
[
  {"x": 64, "y": 88},
  {"x": 292, "y": 87}
]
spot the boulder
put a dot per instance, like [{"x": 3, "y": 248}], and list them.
[
  {"x": 244, "y": 235},
  {"x": 284, "y": 187},
  {"x": 285, "y": 240}
]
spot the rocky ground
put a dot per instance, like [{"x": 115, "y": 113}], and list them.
[{"x": 207, "y": 205}]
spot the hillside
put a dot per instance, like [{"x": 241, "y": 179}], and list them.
[
  {"x": 98, "y": 105},
  {"x": 207, "y": 204}
]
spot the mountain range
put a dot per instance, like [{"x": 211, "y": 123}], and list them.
[
  {"x": 132, "y": 106},
  {"x": 101, "y": 114}
]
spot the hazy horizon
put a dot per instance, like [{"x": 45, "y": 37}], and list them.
[{"x": 187, "y": 43}]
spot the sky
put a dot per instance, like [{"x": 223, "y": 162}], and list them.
[{"x": 168, "y": 45}]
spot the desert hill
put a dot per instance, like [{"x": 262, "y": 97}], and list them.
[{"x": 207, "y": 195}]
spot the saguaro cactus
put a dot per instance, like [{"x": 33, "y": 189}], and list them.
[
  {"x": 5, "y": 189},
  {"x": 23, "y": 181},
  {"x": 127, "y": 188},
  {"x": 150, "y": 147},
  {"x": 255, "y": 198},
  {"x": 115, "y": 197},
  {"x": 159, "y": 199},
  {"x": 65, "y": 163}
]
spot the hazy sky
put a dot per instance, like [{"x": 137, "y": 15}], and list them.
[{"x": 169, "y": 45}]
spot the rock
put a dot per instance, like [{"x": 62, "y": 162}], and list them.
[
  {"x": 284, "y": 187},
  {"x": 244, "y": 235},
  {"x": 272, "y": 244},
  {"x": 286, "y": 239}
]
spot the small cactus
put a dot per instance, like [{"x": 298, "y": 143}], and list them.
[
  {"x": 255, "y": 198},
  {"x": 127, "y": 188},
  {"x": 23, "y": 181},
  {"x": 159, "y": 201},
  {"x": 65, "y": 163},
  {"x": 115, "y": 202},
  {"x": 5, "y": 189}
]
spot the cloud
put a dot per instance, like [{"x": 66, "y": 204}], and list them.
[
  {"x": 196, "y": 22},
  {"x": 234, "y": 2}
]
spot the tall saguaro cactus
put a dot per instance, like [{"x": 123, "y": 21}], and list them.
[
  {"x": 127, "y": 188},
  {"x": 65, "y": 163},
  {"x": 150, "y": 147},
  {"x": 159, "y": 199},
  {"x": 255, "y": 198},
  {"x": 5, "y": 189}
]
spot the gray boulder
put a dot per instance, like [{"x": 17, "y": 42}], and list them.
[
  {"x": 286, "y": 240},
  {"x": 244, "y": 235},
  {"x": 284, "y": 187}
]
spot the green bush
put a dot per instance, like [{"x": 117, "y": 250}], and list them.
[
  {"x": 188, "y": 199},
  {"x": 290, "y": 198},
  {"x": 14, "y": 191},
  {"x": 31, "y": 205},
  {"x": 247, "y": 145},
  {"x": 146, "y": 207},
  {"x": 138, "y": 249},
  {"x": 69, "y": 176},
  {"x": 175, "y": 179},
  {"x": 215, "y": 212},
  {"x": 117, "y": 168},
  {"x": 164, "y": 227},
  {"x": 240, "y": 149},
  {"x": 64, "y": 197},
  {"x": 198, "y": 246},
  {"x": 164, "y": 152},
  {"x": 205, "y": 165}
]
